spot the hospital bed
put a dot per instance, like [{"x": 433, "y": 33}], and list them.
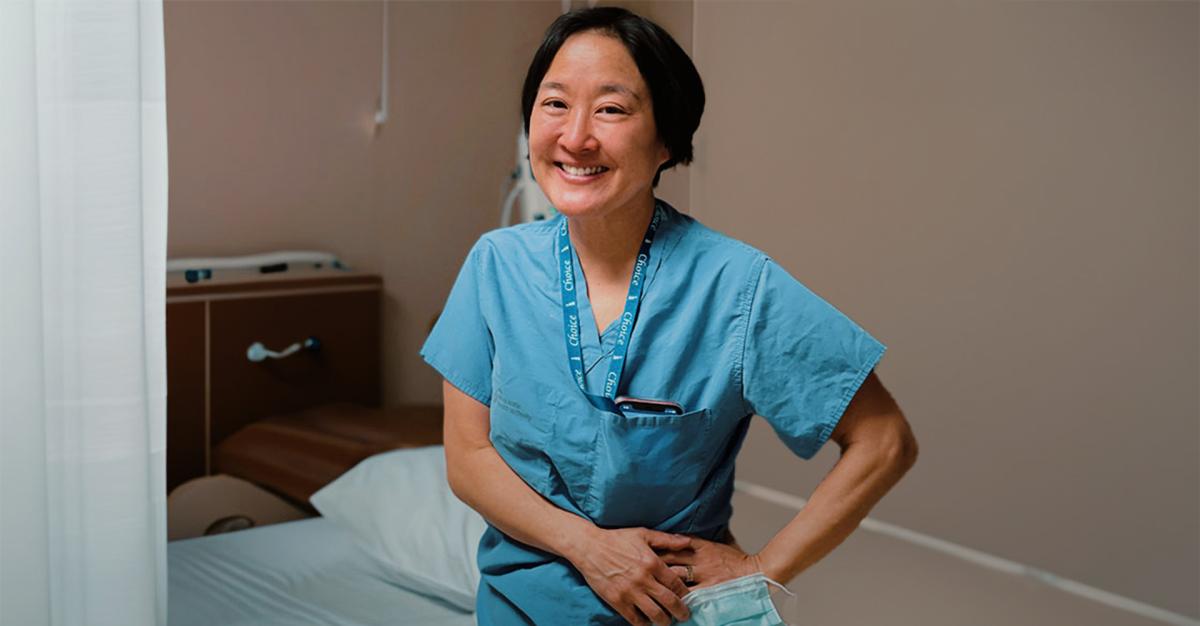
[
  {"x": 309, "y": 571},
  {"x": 332, "y": 567},
  {"x": 257, "y": 438}
]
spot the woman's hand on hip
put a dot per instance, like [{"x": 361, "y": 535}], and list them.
[
  {"x": 623, "y": 568},
  {"x": 711, "y": 563}
]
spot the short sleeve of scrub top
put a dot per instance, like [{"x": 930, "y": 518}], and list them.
[
  {"x": 803, "y": 360},
  {"x": 461, "y": 346}
]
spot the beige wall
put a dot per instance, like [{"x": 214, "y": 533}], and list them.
[{"x": 1006, "y": 195}]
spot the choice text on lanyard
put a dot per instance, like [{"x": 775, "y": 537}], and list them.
[{"x": 570, "y": 308}]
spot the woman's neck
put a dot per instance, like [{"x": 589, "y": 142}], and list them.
[{"x": 607, "y": 245}]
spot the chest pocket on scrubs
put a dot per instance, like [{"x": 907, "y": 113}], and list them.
[
  {"x": 647, "y": 467},
  {"x": 522, "y": 423}
]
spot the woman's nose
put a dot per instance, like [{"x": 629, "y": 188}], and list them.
[{"x": 577, "y": 135}]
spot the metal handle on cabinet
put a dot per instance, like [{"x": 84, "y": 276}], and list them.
[{"x": 258, "y": 352}]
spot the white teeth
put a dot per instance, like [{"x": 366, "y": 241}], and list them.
[{"x": 582, "y": 171}]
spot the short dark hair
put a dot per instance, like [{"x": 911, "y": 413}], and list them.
[{"x": 675, "y": 87}]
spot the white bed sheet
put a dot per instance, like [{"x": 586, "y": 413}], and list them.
[{"x": 297, "y": 573}]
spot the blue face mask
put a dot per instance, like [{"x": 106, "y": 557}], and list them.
[{"x": 744, "y": 601}]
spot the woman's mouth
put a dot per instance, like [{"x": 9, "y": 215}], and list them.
[{"x": 580, "y": 174}]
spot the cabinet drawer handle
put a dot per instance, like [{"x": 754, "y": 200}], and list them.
[{"x": 258, "y": 352}]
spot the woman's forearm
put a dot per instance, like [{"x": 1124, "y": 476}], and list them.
[
  {"x": 864, "y": 473},
  {"x": 481, "y": 479}
]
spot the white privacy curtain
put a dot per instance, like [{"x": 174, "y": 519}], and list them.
[{"x": 83, "y": 216}]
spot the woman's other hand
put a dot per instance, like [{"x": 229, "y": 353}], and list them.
[
  {"x": 624, "y": 569},
  {"x": 711, "y": 562}
]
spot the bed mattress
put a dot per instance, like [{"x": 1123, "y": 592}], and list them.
[{"x": 296, "y": 573}]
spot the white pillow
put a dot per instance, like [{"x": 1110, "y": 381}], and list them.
[{"x": 399, "y": 505}]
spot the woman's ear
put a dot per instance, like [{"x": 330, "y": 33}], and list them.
[{"x": 664, "y": 154}]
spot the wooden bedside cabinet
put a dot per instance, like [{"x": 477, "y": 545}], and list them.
[{"x": 213, "y": 388}]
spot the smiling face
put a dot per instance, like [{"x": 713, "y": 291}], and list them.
[{"x": 593, "y": 145}]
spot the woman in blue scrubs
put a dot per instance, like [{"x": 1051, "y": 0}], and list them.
[{"x": 603, "y": 509}]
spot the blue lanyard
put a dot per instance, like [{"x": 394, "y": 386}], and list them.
[{"x": 570, "y": 308}]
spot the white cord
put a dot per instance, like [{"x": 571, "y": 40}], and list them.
[
  {"x": 506, "y": 207},
  {"x": 381, "y": 115}
]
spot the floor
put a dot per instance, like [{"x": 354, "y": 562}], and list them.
[{"x": 875, "y": 579}]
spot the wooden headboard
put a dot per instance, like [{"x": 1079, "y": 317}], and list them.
[{"x": 214, "y": 388}]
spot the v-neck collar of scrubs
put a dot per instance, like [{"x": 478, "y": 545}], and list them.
[{"x": 599, "y": 343}]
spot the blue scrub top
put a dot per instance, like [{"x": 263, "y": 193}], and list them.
[{"x": 723, "y": 330}]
